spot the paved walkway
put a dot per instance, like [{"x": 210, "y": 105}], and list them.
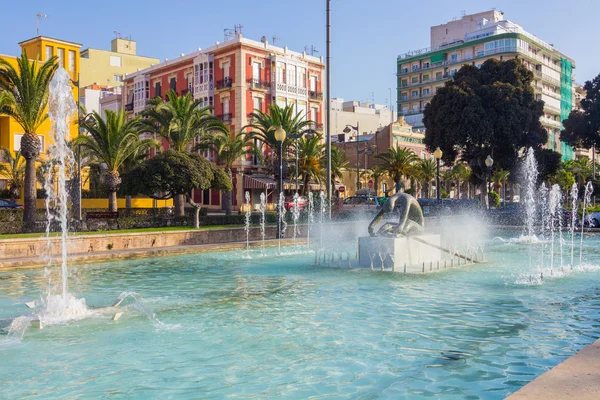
[{"x": 576, "y": 378}]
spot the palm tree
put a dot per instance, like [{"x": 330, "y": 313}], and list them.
[
  {"x": 425, "y": 173},
  {"x": 499, "y": 178},
  {"x": 398, "y": 162},
  {"x": 228, "y": 148},
  {"x": 25, "y": 100},
  {"x": 461, "y": 174},
  {"x": 338, "y": 164},
  {"x": 310, "y": 152},
  {"x": 377, "y": 172},
  {"x": 111, "y": 141},
  {"x": 13, "y": 171},
  {"x": 263, "y": 125},
  {"x": 180, "y": 121},
  {"x": 581, "y": 169}
]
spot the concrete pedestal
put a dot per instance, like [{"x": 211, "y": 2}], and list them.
[{"x": 396, "y": 253}]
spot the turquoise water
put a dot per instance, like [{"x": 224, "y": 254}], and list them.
[{"x": 270, "y": 327}]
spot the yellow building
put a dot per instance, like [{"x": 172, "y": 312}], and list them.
[
  {"x": 40, "y": 48},
  {"x": 108, "y": 68}
]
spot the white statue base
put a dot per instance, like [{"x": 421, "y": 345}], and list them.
[{"x": 403, "y": 254}]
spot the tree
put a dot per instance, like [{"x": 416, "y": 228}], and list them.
[
  {"x": 484, "y": 111},
  {"x": 26, "y": 100},
  {"x": 310, "y": 168},
  {"x": 582, "y": 127},
  {"x": 581, "y": 169},
  {"x": 398, "y": 162},
  {"x": 548, "y": 162},
  {"x": 338, "y": 164},
  {"x": 377, "y": 173},
  {"x": 461, "y": 174},
  {"x": 180, "y": 121},
  {"x": 111, "y": 141},
  {"x": 228, "y": 149},
  {"x": 499, "y": 178},
  {"x": 426, "y": 171},
  {"x": 564, "y": 179},
  {"x": 171, "y": 173},
  {"x": 13, "y": 171}
]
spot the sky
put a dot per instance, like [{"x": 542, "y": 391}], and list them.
[{"x": 367, "y": 35}]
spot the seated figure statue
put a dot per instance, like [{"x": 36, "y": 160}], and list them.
[{"x": 410, "y": 217}]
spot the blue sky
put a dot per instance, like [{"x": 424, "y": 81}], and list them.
[{"x": 367, "y": 35}]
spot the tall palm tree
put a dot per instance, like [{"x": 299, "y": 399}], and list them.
[
  {"x": 426, "y": 171},
  {"x": 228, "y": 148},
  {"x": 111, "y": 141},
  {"x": 377, "y": 172},
  {"x": 499, "y": 178},
  {"x": 398, "y": 162},
  {"x": 310, "y": 151},
  {"x": 461, "y": 174},
  {"x": 180, "y": 121},
  {"x": 263, "y": 125},
  {"x": 13, "y": 171},
  {"x": 338, "y": 164},
  {"x": 26, "y": 100}
]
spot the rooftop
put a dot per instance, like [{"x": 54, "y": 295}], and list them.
[{"x": 50, "y": 39}]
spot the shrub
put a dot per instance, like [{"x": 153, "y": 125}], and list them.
[{"x": 494, "y": 199}]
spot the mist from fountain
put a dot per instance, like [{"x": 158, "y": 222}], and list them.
[
  {"x": 574, "y": 196},
  {"x": 587, "y": 199},
  {"x": 262, "y": 208},
  {"x": 323, "y": 211},
  {"x": 295, "y": 216},
  {"x": 554, "y": 214},
  {"x": 282, "y": 224},
  {"x": 544, "y": 211},
  {"x": 531, "y": 176},
  {"x": 311, "y": 217},
  {"x": 247, "y": 221}
]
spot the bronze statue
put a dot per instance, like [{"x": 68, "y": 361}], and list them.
[{"x": 410, "y": 222}]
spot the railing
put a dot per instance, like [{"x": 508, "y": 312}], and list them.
[
  {"x": 551, "y": 108},
  {"x": 550, "y": 122},
  {"x": 225, "y": 117},
  {"x": 254, "y": 83},
  {"x": 313, "y": 94},
  {"x": 224, "y": 83}
]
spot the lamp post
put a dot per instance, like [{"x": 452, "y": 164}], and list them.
[
  {"x": 489, "y": 162},
  {"x": 367, "y": 150},
  {"x": 280, "y": 137},
  {"x": 349, "y": 129},
  {"x": 438, "y": 155}
]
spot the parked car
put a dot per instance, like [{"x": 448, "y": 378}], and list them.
[
  {"x": 362, "y": 203},
  {"x": 4, "y": 204},
  {"x": 289, "y": 203},
  {"x": 593, "y": 220}
]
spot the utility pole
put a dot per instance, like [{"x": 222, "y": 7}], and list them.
[
  {"x": 37, "y": 22},
  {"x": 328, "y": 100}
]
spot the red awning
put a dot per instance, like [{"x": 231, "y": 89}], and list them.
[{"x": 259, "y": 182}]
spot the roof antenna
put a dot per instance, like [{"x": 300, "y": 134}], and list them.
[
  {"x": 37, "y": 22},
  {"x": 117, "y": 34},
  {"x": 275, "y": 38}
]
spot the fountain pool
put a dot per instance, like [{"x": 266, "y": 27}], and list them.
[{"x": 231, "y": 326}]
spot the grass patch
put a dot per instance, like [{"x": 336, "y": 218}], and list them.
[{"x": 139, "y": 230}]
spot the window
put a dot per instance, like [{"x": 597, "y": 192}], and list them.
[
  {"x": 425, "y": 78},
  {"x": 438, "y": 76},
  {"x": 313, "y": 83},
  {"x": 454, "y": 57},
  {"x": 415, "y": 93},
  {"x": 452, "y": 72},
  {"x": 426, "y": 64},
  {"x": 115, "y": 61},
  {"x": 425, "y": 92},
  {"x": 118, "y": 78},
  {"x": 256, "y": 71},
  {"x": 157, "y": 89},
  {"x": 225, "y": 102},
  {"x": 280, "y": 71},
  {"x": 173, "y": 84},
  {"x": 414, "y": 79},
  {"x": 61, "y": 57},
  {"x": 71, "y": 60},
  {"x": 404, "y": 96},
  {"x": 256, "y": 103},
  {"x": 404, "y": 110},
  {"x": 415, "y": 67},
  {"x": 291, "y": 75},
  {"x": 404, "y": 70},
  {"x": 226, "y": 70},
  {"x": 314, "y": 114},
  {"x": 404, "y": 83},
  {"x": 190, "y": 82},
  {"x": 302, "y": 77},
  {"x": 48, "y": 53}
]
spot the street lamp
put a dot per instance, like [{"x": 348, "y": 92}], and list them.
[
  {"x": 349, "y": 129},
  {"x": 367, "y": 150},
  {"x": 489, "y": 162},
  {"x": 438, "y": 155},
  {"x": 280, "y": 137}
]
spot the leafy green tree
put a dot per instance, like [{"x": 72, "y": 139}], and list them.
[
  {"x": 426, "y": 171},
  {"x": 582, "y": 127},
  {"x": 13, "y": 171},
  {"x": 228, "y": 148},
  {"x": 548, "y": 162},
  {"x": 484, "y": 111},
  {"x": 171, "y": 173},
  {"x": 180, "y": 121},
  {"x": 310, "y": 168},
  {"x": 112, "y": 141},
  {"x": 399, "y": 162},
  {"x": 377, "y": 173},
  {"x": 461, "y": 174},
  {"x": 564, "y": 178},
  {"x": 25, "y": 99},
  {"x": 581, "y": 169},
  {"x": 338, "y": 165}
]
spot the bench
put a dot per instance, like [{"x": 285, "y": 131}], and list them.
[{"x": 101, "y": 215}]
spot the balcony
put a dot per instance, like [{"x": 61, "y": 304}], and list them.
[
  {"x": 225, "y": 117},
  {"x": 551, "y": 122},
  {"x": 224, "y": 83},
  {"x": 314, "y": 95},
  {"x": 129, "y": 106},
  {"x": 258, "y": 84}
]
